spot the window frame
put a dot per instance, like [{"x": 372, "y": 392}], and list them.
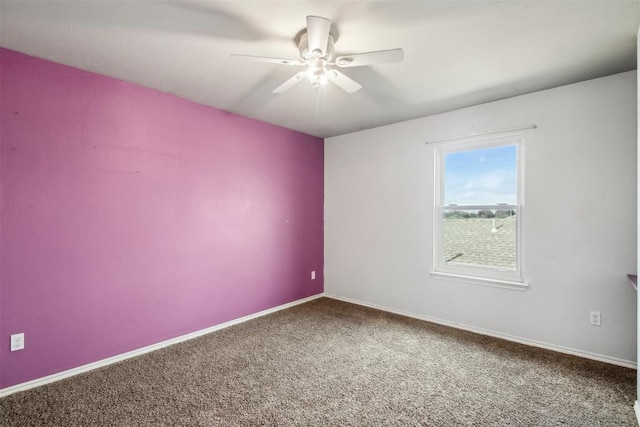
[{"x": 478, "y": 274}]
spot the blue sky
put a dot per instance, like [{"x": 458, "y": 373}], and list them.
[{"x": 481, "y": 177}]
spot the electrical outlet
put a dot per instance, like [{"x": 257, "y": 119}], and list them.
[
  {"x": 595, "y": 318},
  {"x": 17, "y": 342},
  {"x": 313, "y": 275}
]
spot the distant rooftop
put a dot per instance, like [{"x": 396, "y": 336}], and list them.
[{"x": 470, "y": 241}]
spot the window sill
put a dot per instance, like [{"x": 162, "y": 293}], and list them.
[{"x": 496, "y": 283}]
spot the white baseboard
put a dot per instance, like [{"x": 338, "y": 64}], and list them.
[
  {"x": 114, "y": 359},
  {"x": 533, "y": 343},
  {"x": 636, "y": 409}
]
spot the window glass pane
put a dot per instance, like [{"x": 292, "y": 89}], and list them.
[
  {"x": 484, "y": 238},
  {"x": 485, "y": 176}
]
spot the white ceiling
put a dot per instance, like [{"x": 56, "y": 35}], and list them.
[{"x": 457, "y": 53}]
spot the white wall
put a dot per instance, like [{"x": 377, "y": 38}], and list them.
[
  {"x": 580, "y": 219},
  {"x": 637, "y": 404}
]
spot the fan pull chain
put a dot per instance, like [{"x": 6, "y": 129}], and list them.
[
  {"x": 324, "y": 96},
  {"x": 320, "y": 97}
]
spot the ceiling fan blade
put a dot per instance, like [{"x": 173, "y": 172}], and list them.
[
  {"x": 291, "y": 82},
  {"x": 343, "y": 82},
  {"x": 371, "y": 58},
  {"x": 267, "y": 59},
  {"x": 318, "y": 35}
]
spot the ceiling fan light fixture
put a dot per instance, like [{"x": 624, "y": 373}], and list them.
[{"x": 317, "y": 73}]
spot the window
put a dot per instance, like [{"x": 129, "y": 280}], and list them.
[{"x": 478, "y": 218}]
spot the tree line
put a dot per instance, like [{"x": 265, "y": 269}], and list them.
[{"x": 479, "y": 214}]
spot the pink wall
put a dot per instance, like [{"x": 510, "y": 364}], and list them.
[{"x": 130, "y": 216}]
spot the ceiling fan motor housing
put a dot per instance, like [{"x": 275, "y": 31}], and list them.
[{"x": 306, "y": 54}]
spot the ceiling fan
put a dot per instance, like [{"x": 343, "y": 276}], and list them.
[{"x": 316, "y": 47}]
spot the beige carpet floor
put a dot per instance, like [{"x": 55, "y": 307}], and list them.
[{"x": 332, "y": 363}]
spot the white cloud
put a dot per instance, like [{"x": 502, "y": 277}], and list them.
[{"x": 496, "y": 186}]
